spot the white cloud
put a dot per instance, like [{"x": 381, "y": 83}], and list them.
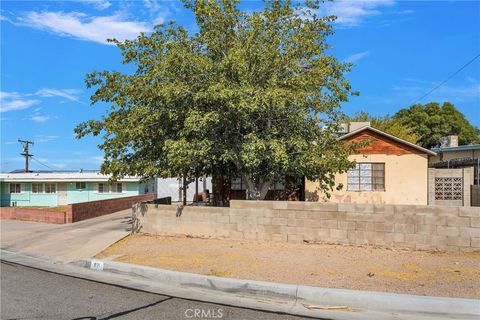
[
  {"x": 406, "y": 12},
  {"x": 10, "y": 101},
  {"x": 96, "y": 159},
  {"x": 471, "y": 79},
  {"x": 98, "y": 4},
  {"x": 80, "y": 26},
  {"x": 443, "y": 93},
  {"x": 357, "y": 56},
  {"x": 39, "y": 118},
  {"x": 69, "y": 94},
  {"x": 58, "y": 165},
  {"x": 351, "y": 13},
  {"x": 44, "y": 138},
  {"x": 36, "y": 116},
  {"x": 158, "y": 10}
]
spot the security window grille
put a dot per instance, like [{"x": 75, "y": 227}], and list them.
[
  {"x": 103, "y": 188},
  {"x": 15, "y": 188},
  {"x": 50, "y": 188},
  {"x": 366, "y": 177},
  {"x": 80, "y": 185},
  {"x": 448, "y": 189},
  {"x": 37, "y": 187}
]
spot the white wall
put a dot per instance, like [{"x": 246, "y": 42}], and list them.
[{"x": 172, "y": 187}]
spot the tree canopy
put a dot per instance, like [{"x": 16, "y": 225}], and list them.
[
  {"x": 432, "y": 121},
  {"x": 389, "y": 125},
  {"x": 251, "y": 94}
]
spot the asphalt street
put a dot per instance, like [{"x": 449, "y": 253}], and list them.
[{"x": 28, "y": 293}]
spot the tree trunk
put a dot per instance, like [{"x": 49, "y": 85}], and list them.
[
  {"x": 184, "y": 189},
  {"x": 257, "y": 191}
]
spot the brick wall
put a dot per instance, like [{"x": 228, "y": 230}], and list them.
[
  {"x": 399, "y": 226},
  {"x": 92, "y": 209},
  {"x": 74, "y": 212},
  {"x": 35, "y": 215}
]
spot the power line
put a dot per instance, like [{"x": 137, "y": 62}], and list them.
[
  {"x": 445, "y": 81},
  {"x": 43, "y": 164}
]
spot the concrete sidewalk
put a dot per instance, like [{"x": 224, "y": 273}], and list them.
[{"x": 68, "y": 242}]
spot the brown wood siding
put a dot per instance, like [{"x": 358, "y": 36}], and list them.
[{"x": 380, "y": 144}]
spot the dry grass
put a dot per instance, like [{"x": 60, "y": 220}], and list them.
[{"x": 363, "y": 268}]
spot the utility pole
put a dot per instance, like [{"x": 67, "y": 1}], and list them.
[{"x": 25, "y": 144}]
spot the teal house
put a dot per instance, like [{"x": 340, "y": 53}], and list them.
[{"x": 48, "y": 189}]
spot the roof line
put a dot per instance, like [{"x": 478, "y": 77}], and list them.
[
  {"x": 430, "y": 152},
  {"x": 457, "y": 148}
]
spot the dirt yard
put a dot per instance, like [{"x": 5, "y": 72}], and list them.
[{"x": 334, "y": 266}]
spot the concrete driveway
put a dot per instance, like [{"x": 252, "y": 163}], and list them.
[{"x": 68, "y": 242}]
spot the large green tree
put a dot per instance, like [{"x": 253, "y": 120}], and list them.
[
  {"x": 389, "y": 125},
  {"x": 251, "y": 93},
  {"x": 432, "y": 121}
]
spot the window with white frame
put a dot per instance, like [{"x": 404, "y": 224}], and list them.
[
  {"x": 37, "y": 187},
  {"x": 80, "y": 185},
  {"x": 50, "y": 188},
  {"x": 117, "y": 187},
  {"x": 15, "y": 188},
  {"x": 103, "y": 188},
  {"x": 366, "y": 176}
]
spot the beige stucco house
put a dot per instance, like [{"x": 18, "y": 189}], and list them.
[{"x": 389, "y": 170}]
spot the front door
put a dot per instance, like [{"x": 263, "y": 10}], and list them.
[{"x": 62, "y": 194}]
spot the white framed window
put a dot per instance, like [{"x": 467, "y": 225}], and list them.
[
  {"x": 103, "y": 188},
  {"x": 366, "y": 176},
  {"x": 37, "y": 187},
  {"x": 117, "y": 187},
  {"x": 80, "y": 185},
  {"x": 50, "y": 188},
  {"x": 15, "y": 188}
]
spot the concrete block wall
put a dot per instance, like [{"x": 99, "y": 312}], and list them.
[
  {"x": 467, "y": 174},
  {"x": 393, "y": 226}
]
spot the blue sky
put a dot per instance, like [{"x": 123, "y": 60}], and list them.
[{"x": 401, "y": 50}]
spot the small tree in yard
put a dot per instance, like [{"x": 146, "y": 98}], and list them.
[{"x": 250, "y": 94}]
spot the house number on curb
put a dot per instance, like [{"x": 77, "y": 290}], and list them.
[{"x": 96, "y": 265}]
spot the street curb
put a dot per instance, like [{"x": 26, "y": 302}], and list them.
[{"x": 299, "y": 294}]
